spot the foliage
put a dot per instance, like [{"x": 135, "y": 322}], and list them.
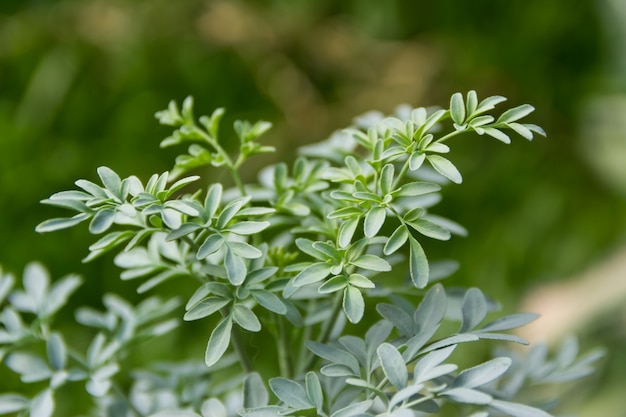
[{"x": 302, "y": 258}]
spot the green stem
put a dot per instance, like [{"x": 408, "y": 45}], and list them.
[
  {"x": 238, "y": 345},
  {"x": 401, "y": 174},
  {"x": 232, "y": 167},
  {"x": 328, "y": 329},
  {"x": 283, "y": 351},
  {"x": 450, "y": 135}
]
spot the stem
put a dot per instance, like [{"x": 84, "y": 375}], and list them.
[
  {"x": 238, "y": 345},
  {"x": 328, "y": 329},
  {"x": 401, "y": 174},
  {"x": 451, "y": 134},
  {"x": 283, "y": 352},
  {"x": 246, "y": 364},
  {"x": 232, "y": 167}
]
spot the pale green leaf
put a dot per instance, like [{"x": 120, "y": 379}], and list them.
[
  {"x": 457, "y": 108},
  {"x": 397, "y": 239},
  {"x": 418, "y": 264},
  {"x": 219, "y": 341},
  {"x": 353, "y": 304},
  {"x": 245, "y": 318},
  {"x": 254, "y": 392},
  {"x": 393, "y": 365},
  {"x": 445, "y": 168}
]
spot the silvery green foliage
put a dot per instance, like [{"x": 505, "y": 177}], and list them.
[{"x": 293, "y": 259}]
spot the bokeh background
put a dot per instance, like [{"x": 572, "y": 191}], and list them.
[{"x": 80, "y": 81}]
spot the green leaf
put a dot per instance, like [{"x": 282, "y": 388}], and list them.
[
  {"x": 515, "y": 113},
  {"x": 346, "y": 231},
  {"x": 457, "y": 108},
  {"x": 184, "y": 230},
  {"x": 254, "y": 392},
  {"x": 229, "y": 211},
  {"x": 42, "y": 405},
  {"x": 372, "y": 263},
  {"x": 509, "y": 322},
  {"x": 495, "y": 133},
  {"x": 432, "y": 309},
  {"x": 416, "y": 160},
  {"x": 110, "y": 179},
  {"x": 205, "y": 308},
  {"x": 398, "y": 317},
  {"x": 430, "y": 229},
  {"x": 52, "y": 225},
  {"x": 235, "y": 267},
  {"x": 101, "y": 221},
  {"x": 428, "y": 368},
  {"x": 445, "y": 168},
  {"x": 397, "y": 239},
  {"x": 374, "y": 220},
  {"x": 334, "y": 284},
  {"x": 418, "y": 264},
  {"x": 269, "y": 301},
  {"x": 353, "y": 410},
  {"x": 211, "y": 245},
  {"x": 246, "y": 228},
  {"x": 416, "y": 188},
  {"x": 245, "y": 250},
  {"x": 312, "y": 274},
  {"x": 474, "y": 309},
  {"x": 386, "y": 179},
  {"x": 314, "y": 390},
  {"x": 467, "y": 396},
  {"x": 471, "y": 102},
  {"x": 57, "y": 352},
  {"x": 291, "y": 393},
  {"x": 334, "y": 355},
  {"x": 219, "y": 341},
  {"x": 11, "y": 403},
  {"x": 393, "y": 365},
  {"x": 360, "y": 281},
  {"x": 518, "y": 410},
  {"x": 489, "y": 104},
  {"x": 245, "y": 318},
  {"x": 353, "y": 304},
  {"x": 482, "y": 374},
  {"x": 213, "y": 199}
]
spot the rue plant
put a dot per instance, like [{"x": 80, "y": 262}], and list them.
[{"x": 317, "y": 294}]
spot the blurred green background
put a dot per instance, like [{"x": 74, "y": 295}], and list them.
[{"x": 80, "y": 81}]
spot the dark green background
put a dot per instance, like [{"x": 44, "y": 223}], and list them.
[{"x": 81, "y": 80}]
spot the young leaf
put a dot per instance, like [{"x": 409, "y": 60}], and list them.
[
  {"x": 515, "y": 113},
  {"x": 353, "y": 304},
  {"x": 393, "y": 365},
  {"x": 219, "y": 341},
  {"x": 457, "y": 108},
  {"x": 346, "y": 231},
  {"x": 110, "y": 179},
  {"x": 445, "y": 168},
  {"x": 269, "y": 301},
  {"x": 205, "y": 308},
  {"x": 235, "y": 267},
  {"x": 101, "y": 221}
]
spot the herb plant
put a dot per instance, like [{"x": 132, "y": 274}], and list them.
[{"x": 314, "y": 284}]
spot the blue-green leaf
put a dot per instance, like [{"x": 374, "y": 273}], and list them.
[
  {"x": 374, "y": 220},
  {"x": 393, "y": 365},
  {"x": 474, "y": 309},
  {"x": 205, "y": 308},
  {"x": 353, "y": 304},
  {"x": 397, "y": 239},
  {"x": 518, "y": 410},
  {"x": 219, "y": 341},
  {"x": 291, "y": 393},
  {"x": 101, "y": 221},
  {"x": 312, "y": 274},
  {"x": 445, "y": 168},
  {"x": 254, "y": 392},
  {"x": 245, "y": 318},
  {"x": 418, "y": 264}
]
